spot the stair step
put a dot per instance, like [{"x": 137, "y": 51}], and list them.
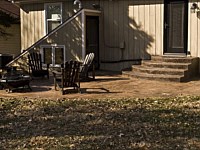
[
  {"x": 165, "y": 64},
  {"x": 153, "y": 70},
  {"x": 174, "y": 78},
  {"x": 179, "y": 69},
  {"x": 172, "y": 59}
]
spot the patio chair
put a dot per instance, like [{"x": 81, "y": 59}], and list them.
[
  {"x": 35, "y": 65},
  {"x": 68, "y": 77},
  {"x": 86, "y": 66}
]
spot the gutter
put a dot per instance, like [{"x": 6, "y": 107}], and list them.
[{"x": 28, "y": 1}]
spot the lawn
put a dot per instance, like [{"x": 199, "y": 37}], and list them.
[{"x": 117, "y": 124}]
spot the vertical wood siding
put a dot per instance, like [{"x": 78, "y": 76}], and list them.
[
  {"x": 33, "y": 28},
  {"x": 32, "y": 24},
  {"x": 194, "y": 31},
  {"x": 137, "y": 23}
]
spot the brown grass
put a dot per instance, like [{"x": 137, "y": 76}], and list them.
[{"x": 146, "y": 124}]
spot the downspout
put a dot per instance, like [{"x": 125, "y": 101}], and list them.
[{"x": 83, "y": 34}]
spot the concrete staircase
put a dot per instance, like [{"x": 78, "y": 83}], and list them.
[{"x": 178, "y": 69}]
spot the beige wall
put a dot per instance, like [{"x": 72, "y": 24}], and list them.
[
  {"x": 32, "y": 24},
  {"x": 136, "y": 23},
  {"x": 194, "y": 31},
  {"x": 68, "y": 35},
  {"x": 33, "y": 29},
  {"x": 11, "y": 44}
]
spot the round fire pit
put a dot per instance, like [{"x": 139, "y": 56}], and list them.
[{"x": 15, "y": 80}]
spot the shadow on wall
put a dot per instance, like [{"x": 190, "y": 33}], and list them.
[
  {"x": 198, "y": 14},
  {"x": 64, "y": 35},
  {"x": 142, "y": 41},
  {"x": 126, "y": 29},
  {"x": 69, "y": 36}
]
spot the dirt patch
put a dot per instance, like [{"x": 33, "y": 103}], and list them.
[{"x": 111, "y": 85}]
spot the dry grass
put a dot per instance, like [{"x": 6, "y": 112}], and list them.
[{"x": 117, "y": 124}]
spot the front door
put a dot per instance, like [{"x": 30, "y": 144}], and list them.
[
  {"x": 92, "y": 37},
  {"x": 175, "y": 26}
]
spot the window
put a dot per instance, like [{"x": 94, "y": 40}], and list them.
[
  {"x": 53, "y": 55},
  {"x": 53, "y": 15}
]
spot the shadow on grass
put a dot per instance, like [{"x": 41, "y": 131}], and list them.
[
  {"x": 97, "y": 124},
  {"x": 110, "y": 79},
  {"x": 104, "y": 79},
  {"x": 96, "y": 91}
]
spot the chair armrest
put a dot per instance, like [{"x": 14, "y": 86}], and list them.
[
  {"x": 48, "y": 66},
  {"x": 93, "y": 70},
  {"x": 55, "y": 73}
]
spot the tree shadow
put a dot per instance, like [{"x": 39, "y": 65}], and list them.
[
  {"x": 97, "y": 124},
  {"x": 96, "y": 91},
  {"x": 142, "y": 40}
]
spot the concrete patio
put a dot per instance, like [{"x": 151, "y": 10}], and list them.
[{"x": 111, "y": 85}]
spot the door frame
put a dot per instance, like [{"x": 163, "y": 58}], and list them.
[
  {"x": 96, "y": 52},
  {"x": 165, "y": 37},
  {"x": 85, "y": 13}
]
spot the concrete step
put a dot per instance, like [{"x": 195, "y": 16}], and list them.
[
  {"x": 166, "y": 68},
  {"x": 174, "y": 78},
  {"x": 154, "y": 70},
  {"x": 160, "y": 64},
  {"x": 173, "y": 59}
]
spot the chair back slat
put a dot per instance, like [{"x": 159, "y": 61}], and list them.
[
  {"x": 35, "y": 61},
  {"x": 86, "y": 65},
  {"x": 35, "y": 65},
  {"x": 71, "y": 73},
  {"x": 69, "y": 76},
  {"x": 88, "y": 59}
]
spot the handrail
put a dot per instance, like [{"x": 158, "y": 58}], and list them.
[{"x": 46, "y": 36}]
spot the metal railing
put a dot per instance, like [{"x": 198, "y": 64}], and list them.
[{"x": 68, "y": 20}]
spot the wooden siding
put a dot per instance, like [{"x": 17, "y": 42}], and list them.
[
  {"x": 194, "y": 31},
  {"x": 68, "y": 35},
  {"x": 32, "y": 24},
  {"x": 136, "y": 23},
  {"x": 11, "y": 44}
]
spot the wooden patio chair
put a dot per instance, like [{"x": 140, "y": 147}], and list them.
[
  {"x": 35, "y": 65},
  {"x": 86, "y": 66},
  {"x": 68, "y": 77}
]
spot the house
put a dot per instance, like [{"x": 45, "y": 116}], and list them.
[
  {"x": 120, "y": 32},
  {"x": 11, "y": 44}
]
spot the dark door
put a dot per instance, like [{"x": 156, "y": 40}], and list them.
[
  {"x": 175, "y": 26},
  {"x": 92, "y": 37}
]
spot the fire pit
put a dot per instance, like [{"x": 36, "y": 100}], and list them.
[{"x": 14, "y": 80}]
